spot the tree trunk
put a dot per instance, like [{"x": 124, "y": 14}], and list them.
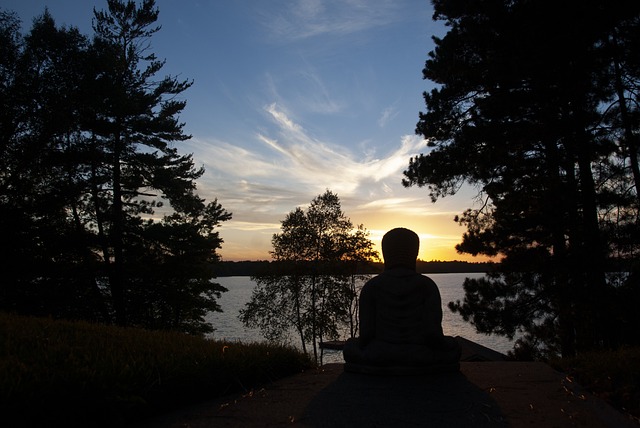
[
  {"x": 592, "y": 251},
  {"x": 117, "y": 277},
  {"x": 630, "y": 140},
  {"x": 314, "y": 317},
  {"x": 353, "y": 308},
  {"x": 558, "y": 201},
  {"x": 298, "y": 314},
  {"x": 102, "y": 238}
]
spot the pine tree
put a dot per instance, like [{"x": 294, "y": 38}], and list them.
[
  {"x": 132, "y": 131},
  {"x": 88, "y": 157},
  {"x": 519, "y": 113}
]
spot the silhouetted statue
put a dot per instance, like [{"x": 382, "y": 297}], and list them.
[{"x": 401, "y": 317}]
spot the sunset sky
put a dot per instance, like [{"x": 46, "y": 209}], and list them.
[{"x": 294, "y": 97}]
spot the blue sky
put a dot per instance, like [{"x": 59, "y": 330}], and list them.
[{"x": 291, "y": 98}]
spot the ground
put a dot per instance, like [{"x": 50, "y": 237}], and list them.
[{"x": 497, "y": 393}]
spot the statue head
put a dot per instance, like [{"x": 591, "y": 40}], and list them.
[{"x": 400, "y": 248}]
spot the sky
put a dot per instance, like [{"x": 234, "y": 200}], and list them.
[{"x": 294, "y": 97}]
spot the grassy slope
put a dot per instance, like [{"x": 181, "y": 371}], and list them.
[{"x": 73, "y": 372}]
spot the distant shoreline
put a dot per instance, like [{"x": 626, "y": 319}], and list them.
[{"x": 253, "y": 267}]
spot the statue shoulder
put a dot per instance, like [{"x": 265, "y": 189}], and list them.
[{"x": 425, "y": 278}]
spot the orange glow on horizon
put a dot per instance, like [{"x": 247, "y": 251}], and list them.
[
  {"x": 426, "y": 254},
  {"x": 437, "y": 241}
]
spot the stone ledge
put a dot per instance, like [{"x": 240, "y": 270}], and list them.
[{"x": 471, "y": 351}]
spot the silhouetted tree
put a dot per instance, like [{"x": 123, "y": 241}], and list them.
[
  {"x": 87, "y": 154},
  {"x": 39, "y": 124},
  {"x": 133, "y": 127},
  {"x": 520, "y": 112},
  {"x": 171, "y": 268},
  {"x": 309, "y": 287}
]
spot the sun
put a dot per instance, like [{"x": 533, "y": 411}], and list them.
[{"x": 439, "y": 235}]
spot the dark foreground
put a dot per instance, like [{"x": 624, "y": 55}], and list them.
[{"x": 495, "y": 393}]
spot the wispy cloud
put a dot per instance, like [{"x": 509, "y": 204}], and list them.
[
  {"x": 288, "y": 167},
  {"x": 222, "y": 158},
  {"x": 321, "y": 163},
  {"x": 408, "y": 206},
  {"x": 311, "y": 18},
  {"x": 321, "y": 101},
  {"x": 248, "y": 226},
  {"x": 305, "y": 88},
  {"x": 387, "y": 115}
]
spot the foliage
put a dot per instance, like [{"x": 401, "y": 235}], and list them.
[
  {"x": 310, "y": 287},
  {"x": 538, "y": 111},
  {"x": 76, "y": 373},
  {"x": 98, "y": 210}
]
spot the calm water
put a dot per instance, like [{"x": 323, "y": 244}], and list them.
[{"x": 228, "y": 327}]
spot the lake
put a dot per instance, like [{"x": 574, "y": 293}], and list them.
[{"x": 228, "y": 326}]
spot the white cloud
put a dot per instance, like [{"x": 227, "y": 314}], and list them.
[
  {"x": 304, "y": 19},
  {"x": 408, "y": 206},
  {"x": 227, "y": 159},
  {"x": 260, "y": 183},
  {"x": 251, "y": 226},
  {"x": 311, "y": 161}
]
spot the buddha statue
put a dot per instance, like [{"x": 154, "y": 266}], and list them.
[{"x": 401, "y": 317}]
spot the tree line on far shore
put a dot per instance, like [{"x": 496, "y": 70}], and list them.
[{"x": 255, "y": 267}]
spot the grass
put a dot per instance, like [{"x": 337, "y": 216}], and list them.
[
  {"x": 611, "y": 375},
  {"x": 81, "y": 374}
]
